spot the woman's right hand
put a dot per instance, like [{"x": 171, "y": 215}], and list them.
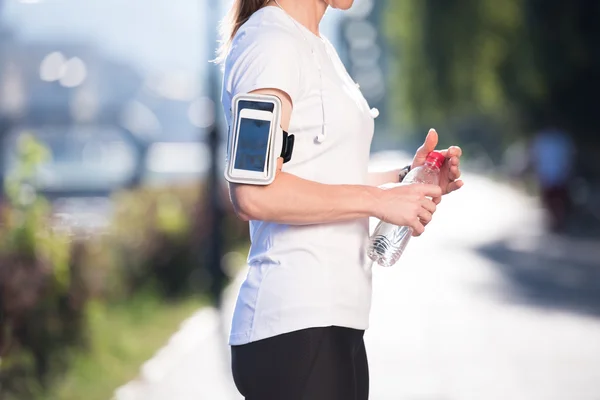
[{"x": 408, "y": 205}]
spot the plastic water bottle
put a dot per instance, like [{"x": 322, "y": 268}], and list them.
[{"x": 389, "y": 241}]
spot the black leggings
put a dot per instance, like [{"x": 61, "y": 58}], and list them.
[{"x": 311, "y": 364}]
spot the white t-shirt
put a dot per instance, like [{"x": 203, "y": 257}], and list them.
[{"x": 313, "y": 275}]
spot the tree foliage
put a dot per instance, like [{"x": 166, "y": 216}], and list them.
[{"x": 521, "y": 64}]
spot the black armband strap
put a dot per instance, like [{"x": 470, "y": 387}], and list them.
[
  {"x": 288, "y": 147},
  {"x": 403, "y": 172}
]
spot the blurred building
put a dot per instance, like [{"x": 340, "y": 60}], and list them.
[
  {"x": 99, "y": 117},
  {"x": 71, "y": 98},
  {"x": 115, "y": 83}
]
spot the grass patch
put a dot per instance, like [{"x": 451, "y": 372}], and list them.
[{"x": 122, "y": 338}]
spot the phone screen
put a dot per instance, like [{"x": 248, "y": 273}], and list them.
[
  {"x": 252, "y": 144},
  {"x": 256, "y": 105}
]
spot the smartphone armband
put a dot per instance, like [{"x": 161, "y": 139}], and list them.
[{"x": 255, "y": 140}]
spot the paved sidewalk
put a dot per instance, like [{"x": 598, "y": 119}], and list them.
[
  {"x": 469, "y": 324},
  {"x": 193, "y": 365},
  {"x": 482, "y": 307}
]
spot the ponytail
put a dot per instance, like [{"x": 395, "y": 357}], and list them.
[{"x": 238, "y": 14}]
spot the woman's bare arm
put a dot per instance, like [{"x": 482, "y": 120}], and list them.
[
  {"x": 293, "y": 200},
  {"x": 383, "y": 178}
]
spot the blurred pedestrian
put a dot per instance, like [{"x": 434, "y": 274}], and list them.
[
  {"x": 300, "y": 316},
  {"x": 553, "y": 155}
]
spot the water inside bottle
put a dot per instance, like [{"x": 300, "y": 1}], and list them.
[
  {"x": 388, "y": 244},
  {"x": 389, "y": 241}
]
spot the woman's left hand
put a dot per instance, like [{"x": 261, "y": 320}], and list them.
[{"x": 450, "y": 172}]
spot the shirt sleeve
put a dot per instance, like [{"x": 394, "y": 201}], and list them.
[{"x": 264, "y": 61}]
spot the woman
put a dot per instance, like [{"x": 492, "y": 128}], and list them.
[{"x": 301, "y": 313}]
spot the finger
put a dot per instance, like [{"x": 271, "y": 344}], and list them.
[
  {"x": 453, "y": 186},
  {"x": 417, "y": 228},
  {"x": 454, "y": 173},
  {"x": 279, "y": 164},
  {"x": 425, "y": 217},
  {"x": 437, "y": 200},
  {"x": 452, "y": 162},
  {"x": 429, "y": 145},
  {"x": 429, "y": 190},
  {"x": 429, "y": 205},
  {"x": 454, "y": 151}
]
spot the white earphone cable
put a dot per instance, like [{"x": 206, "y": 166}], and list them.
[{"x": 320, "y": 138}]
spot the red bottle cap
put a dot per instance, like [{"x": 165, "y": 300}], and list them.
[{"x": 436, "y": 158}]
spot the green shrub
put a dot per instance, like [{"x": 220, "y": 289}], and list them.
[
  {"x": 115, "y": 350},
  {"x": 49, "y": 281},
  {"x": 157, "y": 240},
  {"x": 42, "y": 299}
]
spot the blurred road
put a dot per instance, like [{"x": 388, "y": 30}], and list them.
[
  {"x": 486, "y": 308},
  {"x": 482, "y": 307}
]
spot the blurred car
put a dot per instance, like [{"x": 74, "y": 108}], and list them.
[{"x": 83, "y": 161}]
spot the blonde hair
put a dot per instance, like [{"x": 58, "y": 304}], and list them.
[{"x": 238, "y": 14}]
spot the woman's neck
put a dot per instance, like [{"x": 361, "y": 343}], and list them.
[{"x": 307, "y": 12}]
